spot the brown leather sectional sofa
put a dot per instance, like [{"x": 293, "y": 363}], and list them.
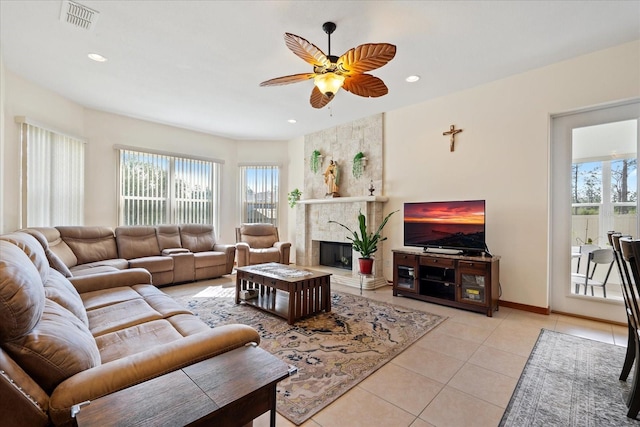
[
  {"x": 171, "y": 253},
  {"x": 66, "y": 340}
]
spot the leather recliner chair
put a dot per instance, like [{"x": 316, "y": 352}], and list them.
[{"x": 259, "y": 243}]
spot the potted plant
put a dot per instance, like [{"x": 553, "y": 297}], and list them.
[
  {"x": 316, "y": 161},
  {"x": 364, "y": 242},
  {"x": 293, "y": 197},
  {"x": 359, "y": 162}
]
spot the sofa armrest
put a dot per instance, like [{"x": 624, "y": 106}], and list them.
[
  {"x": 122, "y": 373},
  {"x": 230, "y": 253},
  {"x": 285, "y": 251},
  {"x": 111, "y": 279},
  {"x": 243, "y": 250}
]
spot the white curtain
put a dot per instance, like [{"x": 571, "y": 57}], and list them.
[
  {"x": 161, "y": 188},
  {"x": 259, "y": 193},
  {"x": 53, "y": 178}
]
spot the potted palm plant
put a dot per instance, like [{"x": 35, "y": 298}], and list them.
[{"x": 364, "y": 242}]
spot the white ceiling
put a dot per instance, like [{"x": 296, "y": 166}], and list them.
[{"x": 198, "y": 64}]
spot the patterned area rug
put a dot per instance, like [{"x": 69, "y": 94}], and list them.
[
  {"x": 570, "y": 381},
  {"x": 333, "y": 351}
]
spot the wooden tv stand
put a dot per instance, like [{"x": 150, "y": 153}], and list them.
[{"x": 467, "y": 282}]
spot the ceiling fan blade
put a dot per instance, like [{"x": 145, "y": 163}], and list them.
[
  {"x": 318, "y": 100},
  {"x": 366, "y": 57},
  {"x": 306, "y": 50},
  {"x": 288, "y": 79},
  {"x": 365, "y": 85}
]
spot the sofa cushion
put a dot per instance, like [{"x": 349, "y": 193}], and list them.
[
  {"x": 90, "y": 244},
  {"x": 260, "y": 256},
  {"x": 54, "y": 261},
  {"x": 121, "y": 315},
  {"x": 59, "y": 346},
  {"x": 89, "y": 271},
  {"x": 258, "y": 235},
  {"x": 197, "y": 237},
  {"x": 168, "y": 236},
  {"x": 135, "y": 339},
  {"x": 159, "y": 301},
  {"x": 209, "y": 259},
  {"x": 32, "y": 249},
  {"x": 153, "y": 264},
  {"x": 101, "y": 266},
  {"x": 137, "y": 241},
  {"x": 57, "y": 245},
  {"x": 21, "y": 293},
  {"x": 57, "y": 288}
]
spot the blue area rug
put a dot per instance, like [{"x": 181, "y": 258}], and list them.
[{"x": 570, "y": 381}]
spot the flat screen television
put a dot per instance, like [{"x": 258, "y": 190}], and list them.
[{"x": 455, "y": 225}]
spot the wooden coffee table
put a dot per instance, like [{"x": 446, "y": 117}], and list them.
[
  {"x": 228, "y": 390},
  {"x": 304, "y": 292}
]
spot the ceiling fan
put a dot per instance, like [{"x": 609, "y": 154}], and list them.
[{"x": 330, "y": 72}]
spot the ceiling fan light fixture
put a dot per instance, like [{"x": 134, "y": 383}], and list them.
[{"x": 329, "y": 83}]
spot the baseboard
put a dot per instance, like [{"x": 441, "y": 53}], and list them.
[
  {"x": 547, "y": 311},
  {"x": 611, "y": 322},
  {"x": 525, "y": 307}
]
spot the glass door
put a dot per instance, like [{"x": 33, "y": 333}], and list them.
[{"x": 594, "y": 189}]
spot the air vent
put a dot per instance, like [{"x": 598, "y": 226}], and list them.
[{"x": 78, "y": 15}]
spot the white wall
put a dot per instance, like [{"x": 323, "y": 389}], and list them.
[
  {"x": 295, "y": 169},
  {"x": 22, "y": 98},
  {"x": 103, "y": 131},
  {"x": 501, "y": 156}
]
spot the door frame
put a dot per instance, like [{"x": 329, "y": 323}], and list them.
[{"x": 559, "y": 250}]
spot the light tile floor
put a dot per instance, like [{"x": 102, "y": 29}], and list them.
[{"x": 460, "y": 374}]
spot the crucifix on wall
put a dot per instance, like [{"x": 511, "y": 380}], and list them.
[{"x": 452, "y": 131}]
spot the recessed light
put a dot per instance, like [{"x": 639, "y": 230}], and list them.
[
  {"x": 97, "y": 57},
  {"x": 292, "y": 121},
  {"x": 412, "y": 79}
]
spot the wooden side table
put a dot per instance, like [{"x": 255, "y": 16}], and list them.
[{"x": 231, "y": 389}]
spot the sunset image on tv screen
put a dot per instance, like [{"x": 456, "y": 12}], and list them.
[{"x": 445, "y": 224}]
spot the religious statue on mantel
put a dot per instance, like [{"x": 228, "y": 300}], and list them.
[{"x": 332, "y": 179}]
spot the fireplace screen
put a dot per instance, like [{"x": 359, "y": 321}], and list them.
[{"x": 335, "y": 254}]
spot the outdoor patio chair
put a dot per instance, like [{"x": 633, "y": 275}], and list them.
[{"x": 594, "y": 257}]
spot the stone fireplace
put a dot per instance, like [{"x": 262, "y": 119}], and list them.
[
  {"x": 312, "y": 227},
  {"x": 336, "y": 254}
]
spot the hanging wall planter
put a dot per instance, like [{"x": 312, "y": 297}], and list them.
[
  {"x": 359, "y": 163},
  {"x": 316, "y": 161},
  {"x": 293, "y": 197}
]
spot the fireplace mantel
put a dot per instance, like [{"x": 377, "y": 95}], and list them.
[
  {"x": 345, "y": 200},
  {"x": 312, "y": 227}
]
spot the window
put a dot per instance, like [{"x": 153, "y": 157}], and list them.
[
  {"x": 52, "y": 177},
  {"x": 259, "y": 193},
  {"x": 603, "y": 181},
  {"x": 159, "y": 188}
]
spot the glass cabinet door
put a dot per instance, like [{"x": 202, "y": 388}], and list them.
[
  {"x": 406, "y": 278},
  {"x": 472, "y": 282}
]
